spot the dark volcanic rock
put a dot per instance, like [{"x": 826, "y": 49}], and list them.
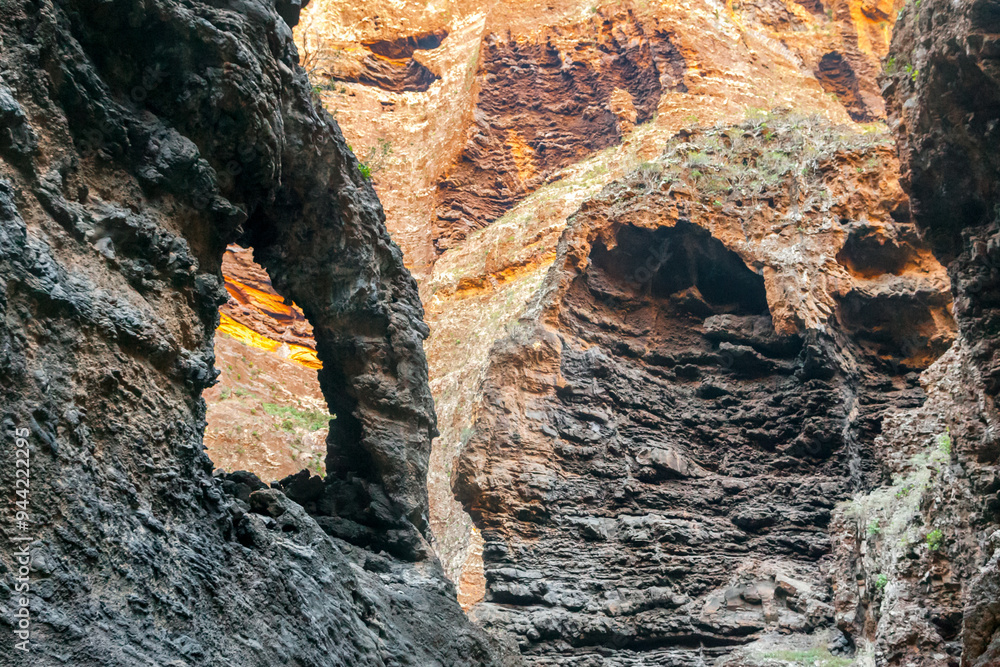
[
  {"x": 137, "y": 140},
  {"x": 944, "y": 98}
]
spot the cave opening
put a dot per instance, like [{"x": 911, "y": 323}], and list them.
[
  {"x": 267, "y": 414},
  {"x": 683, "y": 263}
]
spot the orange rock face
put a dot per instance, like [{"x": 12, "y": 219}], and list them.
[
  {"x": 534, "y": 108},
  {"x": 663, "y": 437},
  {"x": 544, "y": 104},
  {"x": 258, "y": 316},
  {"x": 481, "y": 101},
  {"x": 267, "y": 413}
]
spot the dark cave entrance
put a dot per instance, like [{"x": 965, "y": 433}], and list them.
[{"x": 685, "y": 264}]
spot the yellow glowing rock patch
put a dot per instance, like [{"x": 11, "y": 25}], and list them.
[
  {"x": 297, "y": 353},
  {"x": 270, "y": 303}
]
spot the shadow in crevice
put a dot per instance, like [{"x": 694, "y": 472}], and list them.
[{"x": 685, "y": 264}]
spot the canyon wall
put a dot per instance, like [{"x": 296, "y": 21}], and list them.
[
  {"x": 711, "y": 435},
  {"x": 804, "y": 413},
  {"x": 715, "y": 370},
  {"x": 665, "y": 437},
  {"x": 943, "y": 93},
  {"x": 534, "y": 109},
  {"x": 139, "y": 140}
]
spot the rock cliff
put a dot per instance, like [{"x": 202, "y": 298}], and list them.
[
  {"x": 538, "y": 107},
  {"x": 942, "y": 86},
  {"x": 714, "y": 349},
  {"x": 664, "y": 438},
  {"x": 139, "y": 140}
]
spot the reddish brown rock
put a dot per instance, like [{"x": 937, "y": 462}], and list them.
[
  {"x": 541, "y": 107},
  {"x": 663, "y": 439},
  {"x": 254, "y": 303},
  {"x": 943, "y": 92}
]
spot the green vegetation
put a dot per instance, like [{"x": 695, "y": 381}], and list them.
[
  {"x": 316, "y": 465},
  {"x": 375, "y": 159},
  {"x": 310, "y": 420},
  {"x": 934, "y": 539},
  {"x": 899, "y": 513},
  {"x": 815, "y": 657},
  {"x": 944, "y": 444},
  {"x": 769, "y": 152}
]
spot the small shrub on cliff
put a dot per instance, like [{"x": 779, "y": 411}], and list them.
[
  {"x": 874, "y": 528},
  {"x": 881, "y": 581},
  {"x": 769, "y": 155},
  {"x": 310, "y": 420},
  {"x": 944, "y": 444},
  {"x": 376, "y": 158},
  {"x": 816, "y": 657},
  {"x": 935, "y": 540},
  {"x": 696, "y": 159},
  {"x": 316, "y": 466}
]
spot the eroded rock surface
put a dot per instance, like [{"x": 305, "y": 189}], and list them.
[
  {"x": 931, "y": 583},
  {"x": 255, "y": 311},
  {"x": 663, "y": 439},
  {"x": 138, "y": 141},
  {"x": 504, "y": 132},
  {"x": 542, "y": 106}
]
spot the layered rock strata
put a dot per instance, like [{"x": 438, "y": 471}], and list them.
[
  {"x": 542, "y": 106},
  {"x": 664, "y": 437},
  {"x": 533, "y": 115},
  {"x": 260, "y": 317},
  {"x": 932, "y": 577}
]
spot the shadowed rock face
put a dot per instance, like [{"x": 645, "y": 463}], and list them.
[
  {"x": 836, "y": 76},
  {"x": 139, "y": 140},
  {"x": 395, "y": 75},
  {"x": 390, "y": 64},
  {"x": 944, "y": 97}
]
